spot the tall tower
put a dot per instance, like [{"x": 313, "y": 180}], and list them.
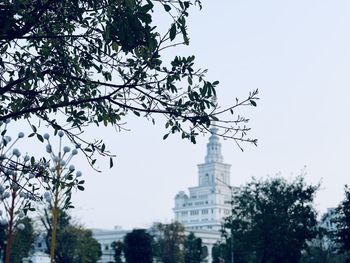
[{"x": 209, "y": 202}]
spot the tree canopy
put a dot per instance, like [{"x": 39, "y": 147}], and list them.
[
  {"x": 74, "y": 244},
  {"x": 169, "y": 242},
  {"x": 342, "y": 221},
  {"x": 138, "y": 246},
  {"x": 193, "y": 250},
  {"x": 79, "y": 62},
  {"x": 23, "y": 239},
  {"x": 272, "y": 220}
]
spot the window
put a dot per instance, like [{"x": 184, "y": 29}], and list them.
[
  {"x": 204, "y": 211},
  {"x": 194, "y": 212}
]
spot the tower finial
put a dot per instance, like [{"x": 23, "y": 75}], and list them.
[
  {"x": 214, "y": 146},
  {"x": 213, "y": 129}
]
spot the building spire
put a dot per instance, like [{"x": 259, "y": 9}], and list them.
[{"x": 214, "y": 146}]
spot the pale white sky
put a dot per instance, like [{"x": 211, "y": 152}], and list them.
[{"x": 297, "y": 53}]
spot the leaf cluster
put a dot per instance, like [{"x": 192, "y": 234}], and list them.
[
  {"x": 74, "y": 243},
  {"x": 79, "y": 62},
  {"x": 272, "y": 220},
  {"x": 342, "y": 220}
]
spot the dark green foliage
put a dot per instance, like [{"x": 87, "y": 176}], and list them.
[
  {"x": 272, "y": 220},
  {"x": 138, "y": 247},
  {"x": 118, "y": 248},
  {"x": 342, "y": 220},
  {"x": 95, "y": 61},
  {"x": 171, "y": 238},
  {"x": 316, "y": 254},
  {"x": 74, "y": 244},
  {"x": 23, "y": 241},
  {"x": 220, "y": 252},
  {"x": 193, "y": 249}
]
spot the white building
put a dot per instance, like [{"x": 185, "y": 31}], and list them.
[
  {"x": 209, "y": 202},
  {"x": 201, "y": 211},
  {"x": 106, "y": 238},
  {"x": 38, "y": 254}
]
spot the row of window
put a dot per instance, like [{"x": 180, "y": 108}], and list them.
[
  {"x": 203, "y": 212},
  {"x": 201, "y": 227},
  {"x": 199, "y": 196}
]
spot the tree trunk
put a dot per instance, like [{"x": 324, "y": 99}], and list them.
[{"x": 10, "y": 229}]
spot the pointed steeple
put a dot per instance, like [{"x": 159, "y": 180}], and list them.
[{"x": 214, "y": 148}]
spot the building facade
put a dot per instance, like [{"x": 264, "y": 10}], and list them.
[
  {"x": 106, "y": 238},
  {"x": 201, "y": 211},
  {"x": 210, "y": 201}
]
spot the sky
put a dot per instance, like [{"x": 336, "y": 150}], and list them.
[{"x": 297, "y": 53}]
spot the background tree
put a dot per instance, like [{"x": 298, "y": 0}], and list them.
[
  {"x": 272, "y": 220},
  {"x": 138, "y": 247},
  {"x": 74, "y": 244},
  {"x": 169, "y": 242},
  {"x": 23, "y": 240},
  {"x": 319, "y": 254},
  {"x": 220, "y": 252},
  {"x": 82, "y": 62},
  {"x": 61, "y": 179},
  {"x": 342, "y": 220},
  {"x": 193, "y": 250},
  {"x": 18, "y": 185},
  {"x": 118, "y": 247}
]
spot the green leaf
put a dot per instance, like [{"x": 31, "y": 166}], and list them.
[
  {"x": 172, "y": 32},
  {"x": 253, "y": 103},
  {"x": 167, "y": 7},
  {"x": 115, "y": 46},
  {"x": 130, "y": 3},
  {"x": 40, "y": 138},
  {"x": 110, "y": 162},
  {"x": 87, "y": 150},
  {"x": 189, "y": 79},
  {"x": 165, "y": 136},
  {"x": 81, "y": 188}
]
